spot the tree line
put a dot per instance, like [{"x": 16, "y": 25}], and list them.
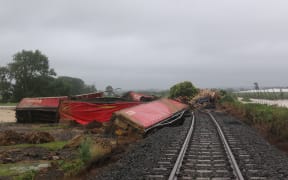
[{"x": 29, "y": 75}]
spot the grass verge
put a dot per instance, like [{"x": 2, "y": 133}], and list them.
[
  {"x": 8, "y": 104},
  {"x": 271, "y": 120},
  {"x": 17, "y": 171},
  {"x": 50, "y": 127},
  {"x": 71, "y": 167},
  {"x": 53, "y": 146}
]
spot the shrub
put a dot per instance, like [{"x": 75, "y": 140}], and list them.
[
  {"x": 185, "y": 88},
  {"x": 84, "y": 149}
]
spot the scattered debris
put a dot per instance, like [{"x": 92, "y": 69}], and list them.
[
  {"x": 38, "y": 137},
  {"x": 75, "y": 141},
  {"x": 11, "y": 137},
  {"x": 205, "y": 98}
]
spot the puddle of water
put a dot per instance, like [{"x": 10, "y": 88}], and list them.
[{"x": 28, "y": 167}]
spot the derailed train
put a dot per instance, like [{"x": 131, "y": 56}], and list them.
[{"x": 131, "y": 113}]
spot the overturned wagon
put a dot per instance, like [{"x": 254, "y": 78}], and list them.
[
  {"x": 44, "y": 109},
  {"x": 124, "y": 118},
  {"x": 38, "y": 109},
  {"x": 99, "y": 109},
  {"x": 143, "y": 118}
]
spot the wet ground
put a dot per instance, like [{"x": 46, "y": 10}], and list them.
[
  {"x": 54, "y": 151},
  {"x": 32, "y": 147},
  {"x": 43, "y": 148}
]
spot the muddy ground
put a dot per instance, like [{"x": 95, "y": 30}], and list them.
[{"x": 51, "y": 150}]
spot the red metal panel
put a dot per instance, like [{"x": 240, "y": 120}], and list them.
[
  {"x": 149, "y": 114},
  {"x": 84, "y": 113},
  {"x": 46, "y": 102}
]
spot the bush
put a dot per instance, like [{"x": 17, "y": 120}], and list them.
[
  {"x": 227, "y": 98},
  {"x": 84, "y": 149},
  {"x": 71, "y": 167},
  {"x": 185, "y": 88}
]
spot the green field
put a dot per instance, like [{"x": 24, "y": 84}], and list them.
[{"x": 8, "y": 104}]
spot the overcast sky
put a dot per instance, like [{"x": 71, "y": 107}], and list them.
[{"x": 135, "y": 44}]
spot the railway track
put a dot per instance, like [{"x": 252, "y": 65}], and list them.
[
  {"x": 205, "y": 157},
  {"x": 205, "y": 154}
]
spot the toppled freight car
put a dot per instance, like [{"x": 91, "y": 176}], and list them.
[
  {"x": 143, "y": 118},
  {"x": 99, "y": 109},
  {"x": 44, "y": 109}
]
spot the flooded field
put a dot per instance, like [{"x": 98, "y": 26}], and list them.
[{"x": 280, "y": 103}]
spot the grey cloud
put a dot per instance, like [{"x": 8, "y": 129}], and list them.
[{"x": 152, "y": 44}]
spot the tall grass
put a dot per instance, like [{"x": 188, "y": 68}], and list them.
[
  {"x": 273, "y": 118},
  {"x": 84, "y": 149}
]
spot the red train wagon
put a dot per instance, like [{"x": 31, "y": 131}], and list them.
[
  {"x": 41, "y": 109},
  {"x": 145, "y": 117},
  {"x": 45, "y": 109}
]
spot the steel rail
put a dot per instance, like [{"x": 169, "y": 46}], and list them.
[
  {"x": 180, "y": 157},
  {"x": 167, "y": 121},
  {"x": 230, "y": 155}
]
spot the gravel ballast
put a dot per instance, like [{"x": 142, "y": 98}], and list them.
[
  {"x": 142, "y": 156},
  {"x": 263, "y": 159}
]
